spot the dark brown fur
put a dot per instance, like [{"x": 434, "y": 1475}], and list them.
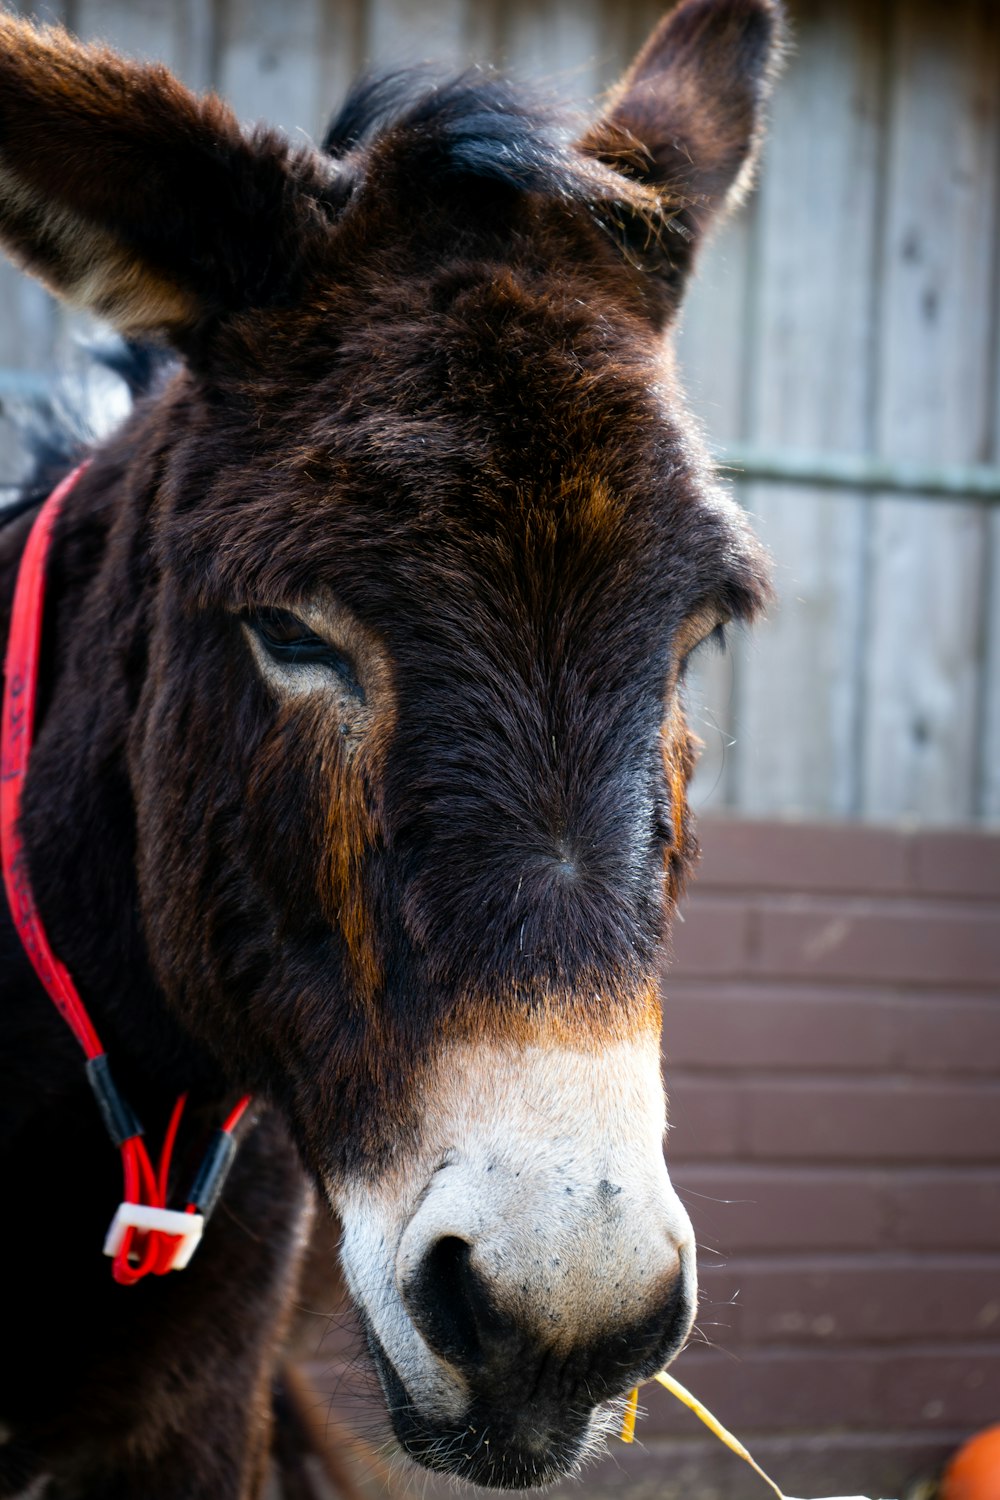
[{"x": 426, "y": 377}]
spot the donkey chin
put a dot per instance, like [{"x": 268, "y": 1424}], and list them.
[{"x": 527, "y": 1263}]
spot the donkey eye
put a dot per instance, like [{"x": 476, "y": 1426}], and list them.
[{"x": 292, "y": 643}]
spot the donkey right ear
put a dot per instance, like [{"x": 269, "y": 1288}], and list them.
[
  {"x": 687, "y": 120},
  {"x": 131, "y": 197}
]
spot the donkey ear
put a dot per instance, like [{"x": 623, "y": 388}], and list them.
[
  {"x": 133, "y": 198},
  {"x": 687, "y": 118}
]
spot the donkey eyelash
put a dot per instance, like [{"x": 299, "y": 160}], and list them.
[
  {"x": 716, "y": 643},
  {"x": 718, "y": 639},
  {"x": 290, "y": 642}
]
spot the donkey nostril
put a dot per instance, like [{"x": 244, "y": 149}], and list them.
[{"x": 448, "y": 1302}]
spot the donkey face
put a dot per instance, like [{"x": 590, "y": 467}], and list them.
[{"x": 429, "y": 542}]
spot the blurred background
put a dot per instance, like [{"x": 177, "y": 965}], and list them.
[{"x": 833, "y": 1012}]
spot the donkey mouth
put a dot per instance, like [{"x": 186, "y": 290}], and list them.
[{"x": 496, "y": 1446}]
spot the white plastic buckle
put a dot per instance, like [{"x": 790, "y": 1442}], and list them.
[{"x": 187, "y": 1227}]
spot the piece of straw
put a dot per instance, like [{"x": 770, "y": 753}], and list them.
[
  {"x": 704, "y": 1415},
  {"x": 628, "y": 1418}
]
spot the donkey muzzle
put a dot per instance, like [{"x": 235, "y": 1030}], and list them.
[
  {"x": 534, "y": 1391},
  {"x": 533, "y": 1263}
]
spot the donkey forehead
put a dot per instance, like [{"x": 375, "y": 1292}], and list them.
[
  {"x": 519, "y": 376},
  {"x": 463, "y": 424}
]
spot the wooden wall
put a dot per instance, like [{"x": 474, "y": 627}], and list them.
[{"x": 852, "y": 308}]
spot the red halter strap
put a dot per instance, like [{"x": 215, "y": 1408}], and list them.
[{"x": 145, "y": 1236}]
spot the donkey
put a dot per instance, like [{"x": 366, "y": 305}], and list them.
[{"x": 359, "y": 775}]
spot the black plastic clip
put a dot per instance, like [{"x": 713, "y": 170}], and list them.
[
  {"x": 211, "y": 1176},
  {"x": 121, "y": 1123}
]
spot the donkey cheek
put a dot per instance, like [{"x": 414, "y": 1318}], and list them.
[{"x": 350, "y": 833}]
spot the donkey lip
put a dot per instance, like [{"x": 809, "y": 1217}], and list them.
[{"x": 496, "y": 1449}]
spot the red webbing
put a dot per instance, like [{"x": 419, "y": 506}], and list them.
[
  {"x": 20, "y": 689},
  {"x": 152, "y": 1251}
]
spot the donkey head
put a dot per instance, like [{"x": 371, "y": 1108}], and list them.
[{"x": 417, "y": 543}]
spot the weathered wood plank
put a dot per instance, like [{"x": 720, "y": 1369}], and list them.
[
  {"x": 28, "y": 314},
  {"x": 988, "y": 790},
  {"x": 712, "y": 355},
  {"x": 891, "y": 702},
  {"x": 711, "y": 345},
  {"x": 287, "y": 64},
  {"x": 711, "y": 339},
  {"x": 560, "y": 44},
  {"x": 155, "y": 30},
  {"x": 199, "y": 21},
  {"x": 926, "y": 609},
  {"x": 403, "y": 32},
  {"x": 809, "y": 382}
]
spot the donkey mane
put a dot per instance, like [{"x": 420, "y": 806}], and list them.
[
  {"x": 483, "y": 141},
  {"x": 481, "y": 126}
]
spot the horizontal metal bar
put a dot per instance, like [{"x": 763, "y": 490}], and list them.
[{"x": 845, "y": 471}]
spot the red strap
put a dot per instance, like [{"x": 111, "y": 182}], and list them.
[
  {"x": 18, "y": 725},
  {"x": 155, "y": 1250}
]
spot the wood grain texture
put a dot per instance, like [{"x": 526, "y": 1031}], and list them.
[
  {"x": 988, "y": 804},
  {"x": 808, "y": 381},
  {"x": 712, "y": 353},
  {"x": 29, "y": 315},
  {"x": 853, "y": 306},
  {"x": 560, "y": 44},
  {"x": 923, "y": 665},
  {"x": 402, "y": 32},
  {"x": 280, "y": 63}
]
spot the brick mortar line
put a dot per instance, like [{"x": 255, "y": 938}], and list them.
[
  {"x": 736, "y": 887},
  {"x": 945, "y": 1166},
  {"x": 915, "y": 904},
  {"x": 901, "y": 1080},
  {"x": 865, "y": 1354},
  {"x": 755, "y": 1438},
  {"x": 857, "y": 1260},
  {"x": 813, "y": 990},
  {"x": 907, "y": 1174},
  {"x": 782, "y": 1075}
]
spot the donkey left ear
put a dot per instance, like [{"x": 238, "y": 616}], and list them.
[
  {"x": 687, "y": 119},
  {"x": 131, "y": 197}
]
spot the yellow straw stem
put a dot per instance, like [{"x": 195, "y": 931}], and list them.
[
  {"x": 704, "y": 1415},
  {"x": 628, "y": 1418}
]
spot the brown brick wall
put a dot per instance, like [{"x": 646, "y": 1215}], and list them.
[{"x": 832, "y": 1041}]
